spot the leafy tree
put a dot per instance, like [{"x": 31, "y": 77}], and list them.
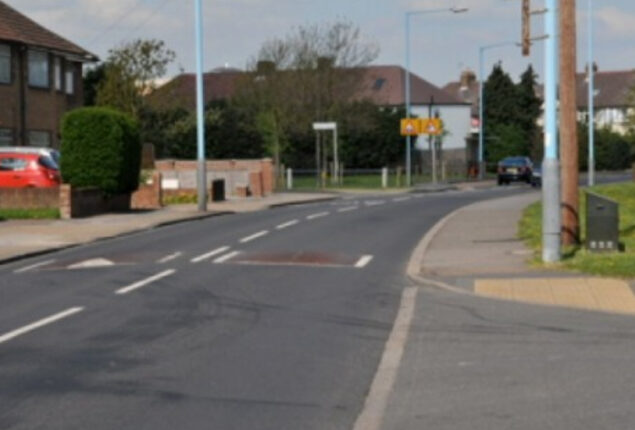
[
  {"x": 92, "y": 78},
  {"x": 501, "y": 105},
  {"x": 529, "y": 110},
  {"x": 131, "y": 72}
]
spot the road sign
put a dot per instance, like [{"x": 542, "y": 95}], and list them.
[
  {"x": 432, "y": 126},
  {"x": 410, "y": 127}
]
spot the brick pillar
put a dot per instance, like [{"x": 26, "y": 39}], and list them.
[
  {"x": 66, "y": 201},
  {"x": 255, "y": 184},
  {"x": 268, "y": 176}
]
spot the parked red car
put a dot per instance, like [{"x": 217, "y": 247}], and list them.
[{"x": 19, "y": 170}]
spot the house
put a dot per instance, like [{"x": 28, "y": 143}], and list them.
[
  {"x": 382, "y": 85},
  {"x": 40, "y": 80}
]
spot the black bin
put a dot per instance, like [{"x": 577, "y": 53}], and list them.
[
  {"x": 218, "y": 190},
  {"x": 602, "y": 224}
]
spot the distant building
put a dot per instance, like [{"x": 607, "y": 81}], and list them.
[{"x": 40, "y": 79}]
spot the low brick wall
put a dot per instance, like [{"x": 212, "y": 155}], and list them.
[
  {"x": 29, "y": 198},
  {"x": 149, "y": 195},
  {"x": 84, "y": 202}
]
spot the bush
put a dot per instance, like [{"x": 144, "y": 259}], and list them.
[{"x": 101, "y": 148}]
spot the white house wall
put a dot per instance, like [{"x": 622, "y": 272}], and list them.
[{"x": 457, "y": 121}]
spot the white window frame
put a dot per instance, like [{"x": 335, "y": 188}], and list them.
[
  {"x": 5, "y": 55},
  {"x": 69, "y": 79},
  {"x": 39, "y": 69},
  {"x": 57, "y": 73}
]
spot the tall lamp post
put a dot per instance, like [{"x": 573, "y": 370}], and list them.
[
  {"x": 200, "y": 117},
  {"x": 481, "y": 103},
  {"x": 591, "y": 102},
  {"x": 408, "y": 15}
]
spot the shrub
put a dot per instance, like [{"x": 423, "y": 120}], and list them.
[{"x": 101, "y": 148}]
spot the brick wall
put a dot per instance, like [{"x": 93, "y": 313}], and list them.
[
  {"x": 78, "y": 203},
  {"x": 29, "y": 198},
  {"x": 149, "y": 195}
]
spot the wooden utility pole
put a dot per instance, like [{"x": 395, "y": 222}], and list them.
[{"x": 568, "y": 124}]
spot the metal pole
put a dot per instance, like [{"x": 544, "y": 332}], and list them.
[
  {"x": 551, "y": 221},
  {"x": 408, "y": 139},
  {"x": 336, "y": 159},
  {"x": 591, "y": 103},
  {"x": 481, "y": 117},
  {"x": 200, "y": 114}
]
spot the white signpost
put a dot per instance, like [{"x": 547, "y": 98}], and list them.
[{"x": 331, "y": 126}]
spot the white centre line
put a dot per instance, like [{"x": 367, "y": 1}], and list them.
[
  {"x": 254, "y": 236},
  {"x": 38, "y": 324},
  {"x": 33, "y": 266},
  {"x": 401, "y": 199},
  {"x": 318, "y": 215},
  {"x": 170, "y": 257},
  {"x": 348, "y": 209},
  {"x": 143, "y": 283},
  {"x": 209, "y": 254},
  {"x": 363, "y": 262},
  {"x": 226, "y": 257},
  {"x": 375, "y": 202},
  {"x": 287, "y": 224}
]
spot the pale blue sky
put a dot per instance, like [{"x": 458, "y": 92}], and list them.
[{"x": 442, "y": 44}]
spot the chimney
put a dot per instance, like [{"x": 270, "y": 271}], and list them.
[{"x": 468, "y": 77}]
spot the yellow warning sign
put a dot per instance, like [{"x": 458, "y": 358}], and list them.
[
  {"x": 432, "y": 126},
  {"x": 410, "y": 127}
]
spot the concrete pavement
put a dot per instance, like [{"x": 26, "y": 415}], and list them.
[{"x": 21, "y": 238}]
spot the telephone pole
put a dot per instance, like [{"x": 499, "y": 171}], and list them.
[{"x": 568, "y": 124}]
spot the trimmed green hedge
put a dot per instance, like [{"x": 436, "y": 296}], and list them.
[{"x": 101, "y": 148}]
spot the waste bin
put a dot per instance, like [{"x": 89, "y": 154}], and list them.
[
  {"x": 218, "y": 190},
  {"x": 602, "y": 224}
]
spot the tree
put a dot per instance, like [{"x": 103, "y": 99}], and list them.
[
  {"x": 92, "y": 78},
  {"x": 501, "y": 106},
  {"x": 131, "y": 72},
  {"x": 529, "y": 110}
]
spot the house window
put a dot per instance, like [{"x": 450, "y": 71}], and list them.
[
  {"x": 38, "y": 69},
  {"x": 39, "y": 138},
  {"x": 6, "y": 137},
  {"x": 70, "y": 82},
  {"x": 57, "y": 73},
  {"x": 5, "y": 64}
]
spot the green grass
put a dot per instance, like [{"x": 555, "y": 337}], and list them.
[
  {"x": 29, "y": 214},
  {"x": 578, "y": 258}
]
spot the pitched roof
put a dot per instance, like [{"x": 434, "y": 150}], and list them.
[
  {"x": 385, "y": 85},
  {"x": 612, "y": 88},
  {"x": 15, "y": 27}
]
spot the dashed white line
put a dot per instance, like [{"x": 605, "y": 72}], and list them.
[
  {"x": 33, "y": 266},
  {"x": 39, "y": 324},
  {"x": 318, "y": 215},
  {"x": 375, "y": 202},
  {"x": 226, "y": 257},
  {"x": 254, "y": 236},
  {"x": 287, "y": 224},
  {"x": 209, "y": 254},
  {"x": 170, "y": 257},
  {"x": 147, "y": 281},
  {"x": 348, "y": 209},
  {"x": 401, "y": 199},
  {"x": 363, "y": 262}
]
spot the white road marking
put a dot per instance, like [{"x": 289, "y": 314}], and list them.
[
  {"x": 318, "y": 215},
  {"x": 143, "y": 283},
  {"x": 33, "y": 266},
  {"x": 287, "y": 224},
  {"x": 363, "y": 262},
  {"x": 92, "y": 264},
  {"x": 39, "y": 324},
  {"x": 226, "y": 257},
  {"x": 254, "y": 236},
  {"x": 401, "y": 199},
  {"x": 170, "y": 257},
  {"x": 374, "y": 409},
  {"x": 209, "y": 254},
  {"x": 348, "y": 209},
  {"x": 375, "y": 202}
]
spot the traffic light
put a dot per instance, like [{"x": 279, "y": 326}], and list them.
[{"x": 526, "y": 36}]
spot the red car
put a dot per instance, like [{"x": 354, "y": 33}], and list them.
[{"x": 19, "y": 170}]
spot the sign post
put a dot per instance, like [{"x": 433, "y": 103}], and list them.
[{"x": 331, "y": 126}]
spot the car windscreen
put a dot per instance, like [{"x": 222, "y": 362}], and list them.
[
  {"x": 514, "y": 161},
  {"x": 48, "y": 162}
]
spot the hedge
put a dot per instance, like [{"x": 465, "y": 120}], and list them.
[{"x": 101, "y": 148}]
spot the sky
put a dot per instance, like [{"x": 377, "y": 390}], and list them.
[{"x": 442, "y": 44}]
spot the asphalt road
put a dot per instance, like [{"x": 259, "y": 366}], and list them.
[{"x": 267, "y": 320}]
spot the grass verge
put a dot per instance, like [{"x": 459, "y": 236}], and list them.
[
  {"x": 29, "y": 214},
  {"x": 578, "y": 258}
]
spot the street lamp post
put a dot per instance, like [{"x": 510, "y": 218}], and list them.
[
  {"x": 408, "y": 15},
  {"x": 591, "y": 102},
  {"x": 481, "y": 104},
  {"x": 200, "y": 116}
]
